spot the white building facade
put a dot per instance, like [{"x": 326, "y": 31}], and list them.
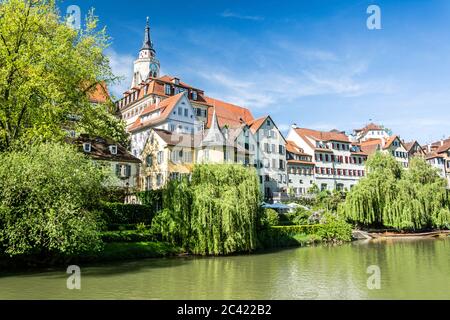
[{"x": 339, "y": 164}]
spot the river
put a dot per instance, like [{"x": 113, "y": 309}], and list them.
[{"x": 409, "y": 269}]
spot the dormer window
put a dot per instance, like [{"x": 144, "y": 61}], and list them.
[
  {"x": 87, "y": 147},
  {"x": 168, "y": 89},
  {"x": 113, "y": 149},
  {"x": 176, "y": 81},
  {"x": 194, "y": 95}
]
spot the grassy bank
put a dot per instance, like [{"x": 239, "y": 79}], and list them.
[{"x": 117, "y": 251}]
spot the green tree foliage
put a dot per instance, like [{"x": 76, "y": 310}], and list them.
[
  {"x": 270, "y": 218},
  {"x": 47, "y": 196},
  {"x": 334, "y": 228},
  {"x": 47, "y": 72},
  {"x": 390, "y": 196},
  {"x": 215, "y": 213}
]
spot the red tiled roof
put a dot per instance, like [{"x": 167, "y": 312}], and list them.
[
  {"x": 323, "y": 135},
  {"x": 444, "y": 147},
  {"x": 166, "y": 106},
  {"x": 100, "y": 149},
  {"x": 433, "y": 155},
  {"x": 369, "y": 127},
  {"x": 391, "y": 140},
  {"x": 256, "y": 124},
  {"x": 227, "y": 113},
  {"x": 292, "y": 147},
  {"x": 156, "y": 86},
  {"x": 99, "y": 93}
]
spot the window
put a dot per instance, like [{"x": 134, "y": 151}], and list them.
[
  {"x": 160, "y": 157},
  {"x": 123, "y": 171},
  {"x": 149, "y": 160},
  {"x": 167, "y": 89},
  {"x": 274, "y": 150},
  {"x": 194, "y": 95},
  {"x": 171, "y": 127},
  {"x": 113, "y": 149},
  {"x": 87, "y": 147},
  {"x": 186, "y": 112},
  {"x": 148, "y": 183},
  {"x": 159, "y": 179}
]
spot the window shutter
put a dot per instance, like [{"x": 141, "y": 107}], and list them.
[
  {"x": 128, "y": 171},
  {"x": 118, "y": 167}
]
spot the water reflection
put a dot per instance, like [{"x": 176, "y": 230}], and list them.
[{"x": 409, "y": 270}]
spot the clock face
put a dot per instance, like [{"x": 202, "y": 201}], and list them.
[{"x": 153, "y": 67}]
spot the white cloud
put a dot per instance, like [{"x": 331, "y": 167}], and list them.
[
  {"x": 229, "y": 14},
  {"x": 122, "y": 66}
]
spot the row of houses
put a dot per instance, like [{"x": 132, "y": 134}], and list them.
[{"x": 173, "y": 125}]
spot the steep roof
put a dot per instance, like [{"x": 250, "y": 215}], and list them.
[
  {"x": 292, "y": 147},
  {"x": 156, "y": 86},
  {"x": 166, "y": 106},
  {"x": 227, "y": 113},
  {"x": 100, "y": 149},
  {"x": 323, "y": 135},
  {"x": 371, "y": 146},
  {"x": 256, "y": 124},
  {"x": 445, "y": 146},
  {"x": 371, "y": 126},
  {"x": 177, "y": 139},
  {"x": 99, "y": 93},
  {"x": 433, "y": 155},
  {"x": 391, "y": 140}
]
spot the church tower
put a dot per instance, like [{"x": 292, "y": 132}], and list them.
[{"x": 146, "y": 65}]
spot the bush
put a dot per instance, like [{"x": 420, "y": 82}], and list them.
[
  {"x": 127, "y": 236},
  {"x": 126, "y": 214},
  {"x": 269, "y": 218},
  {"x": 288, "y": 236},
  {"x": 47, "y": 196},
  {"x": 335, "y": 228},
  {"x": 300, "y": 216}
]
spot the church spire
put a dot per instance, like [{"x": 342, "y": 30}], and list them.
[{"x": 147, "y": 45}]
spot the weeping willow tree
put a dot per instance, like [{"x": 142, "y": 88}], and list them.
[
  {"x": 215, "y": 213},
  {"x": 390, "y": 196}
]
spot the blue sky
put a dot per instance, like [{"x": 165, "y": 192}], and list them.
[{"x": 313, "y": 63}]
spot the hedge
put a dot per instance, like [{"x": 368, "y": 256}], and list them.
[
  {"x": 127, "y": 236},
  {"x": 288, "y": 236},
  {"x": 293, "y": 230},
  {"x": 126, "y": 214}
]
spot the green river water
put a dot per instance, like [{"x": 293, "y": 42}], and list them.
[{"x": 410, "y": 269}]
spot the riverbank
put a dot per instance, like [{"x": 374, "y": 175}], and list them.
[
  {"x": 114, "y": 251},
  {"x": 415, "y": 269},
  {"x": 388, "y": 234},
  {"x": 136, "y": 245}
]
